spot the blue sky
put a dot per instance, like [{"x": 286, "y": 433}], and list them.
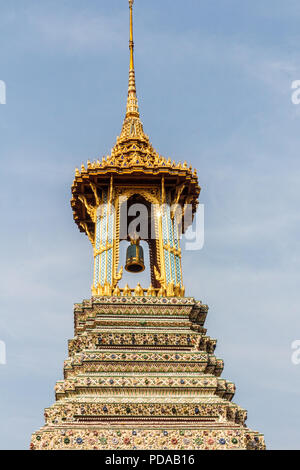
[{"x": 214, "y": 83}]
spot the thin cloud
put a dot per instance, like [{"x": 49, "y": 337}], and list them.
[{"x": 80, "y": 33}]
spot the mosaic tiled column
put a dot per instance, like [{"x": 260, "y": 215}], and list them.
[
  {"x": 103, "y": 267},
  {"x": 171, "y": 246}
]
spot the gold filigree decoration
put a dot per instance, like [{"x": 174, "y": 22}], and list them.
[
  {"x": 94, "y": 189},
  {"x": 118, "y": 276},
  {"x": 102, "y": 249},
  {"x": 151, "y": 292},
  {"x": 158, "y": 275},
  {"x": 91, "y": 210},
  {"x": 139, "y": 291},
  {"x": 173, "y": 249},
  {"x": 127, "y": 291}
]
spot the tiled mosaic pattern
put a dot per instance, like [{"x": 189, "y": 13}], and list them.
[{"x": 142, "y": 374}]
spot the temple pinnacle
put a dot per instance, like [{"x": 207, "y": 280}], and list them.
[
  {"x": 132, "y": 102},
  {"x": 132, "y": 128}
]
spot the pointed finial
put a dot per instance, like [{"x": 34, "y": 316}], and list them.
[
  {"x": 132, "y": 102},
  {"x": 131, "y": 43},
  {"x": 132, "y": 128}
]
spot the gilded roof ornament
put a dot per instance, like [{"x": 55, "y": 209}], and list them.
[
  {"x": 132, "y": 128},
  {"x": 132, "y": 154}
]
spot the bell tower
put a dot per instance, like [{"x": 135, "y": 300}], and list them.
[
  {"x": 135, "y": 174},
  {"x": 141, "y": 371}
]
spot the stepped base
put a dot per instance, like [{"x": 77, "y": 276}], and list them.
[
  {"x": 142, "y": 375},
  {"x": 161, "y": 437}
]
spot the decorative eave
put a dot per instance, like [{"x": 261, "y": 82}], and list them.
[
  {"x": 133, "y": 160},
  {"x": 99, "y": 173}
]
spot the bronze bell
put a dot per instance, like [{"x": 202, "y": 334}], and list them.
[{"x": 135, "y": 257}]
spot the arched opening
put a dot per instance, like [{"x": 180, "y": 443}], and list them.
[{"x": 137, "y": 220}]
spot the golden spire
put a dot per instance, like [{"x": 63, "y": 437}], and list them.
[
  {"x": 131, "y": 43},
  {"x": 132, "y": 102},
  {"x": 132, "y": 128}
]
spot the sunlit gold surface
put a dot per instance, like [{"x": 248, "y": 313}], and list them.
[{"x": 134, "y": 167}]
